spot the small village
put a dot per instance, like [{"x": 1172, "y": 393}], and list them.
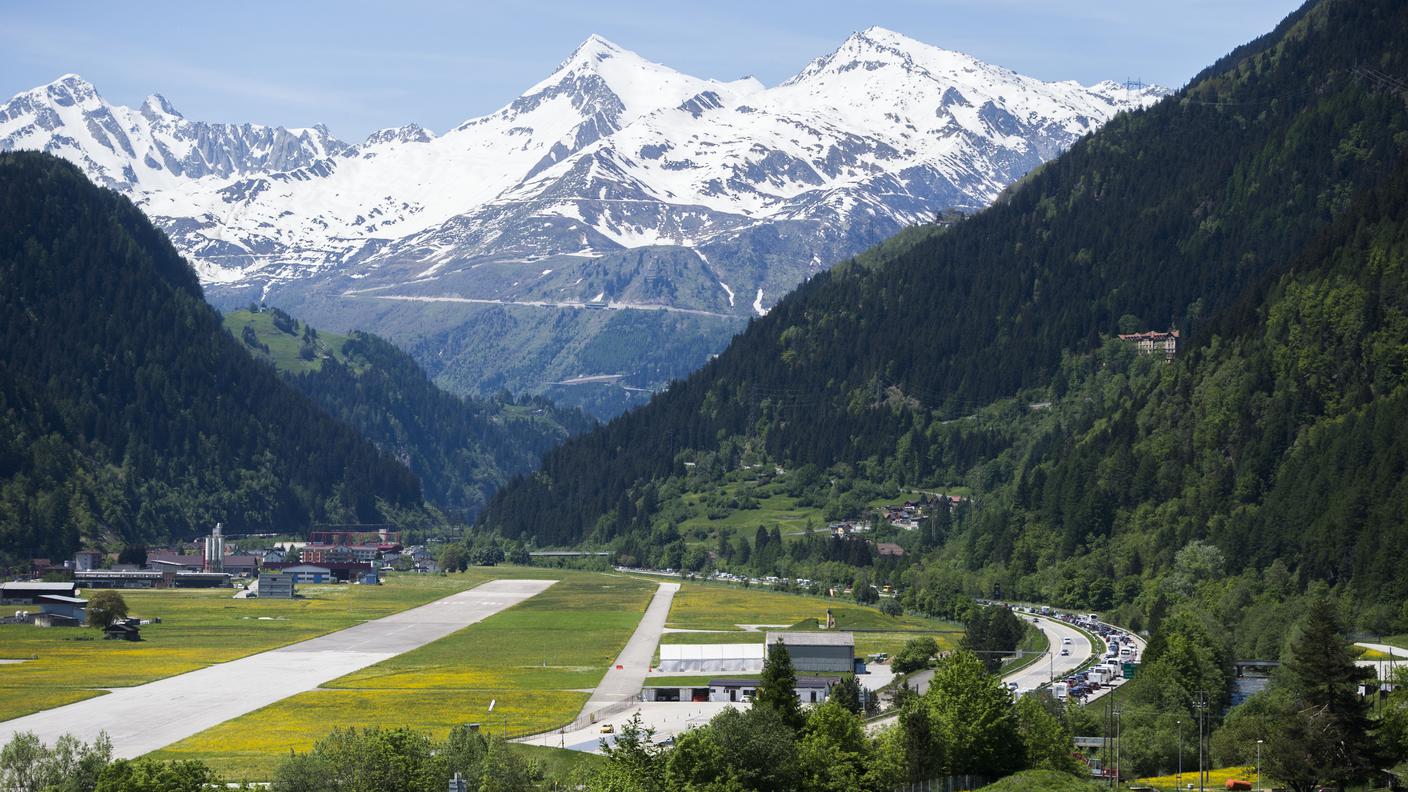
[{"x": 255, "y": 565}]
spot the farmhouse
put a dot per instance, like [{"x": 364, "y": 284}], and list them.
[
  {"x": 818, "y": 652},
  {"x": 123, "y": 630}
]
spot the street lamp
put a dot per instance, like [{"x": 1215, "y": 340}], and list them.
[
  {"x": 1179, "y": 724},
  {"x": 1258, "y": 764}
]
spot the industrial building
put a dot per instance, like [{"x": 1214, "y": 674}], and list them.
[
  {"x": 326, "y": 572},
  {"x": 309, "y": 573},
  {"x": 170, "y": 576},
  {"x": 810, "y": 690},
  {"x": 57, "y": 610},
  {"x": 818, "y": 652},
  {"x": 121, "y": 578},
  {"x": 275, "y": 585},
  {"x": 215, "y": 551}
]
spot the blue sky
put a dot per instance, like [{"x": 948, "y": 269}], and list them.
[{"x": 359, "y": 66}]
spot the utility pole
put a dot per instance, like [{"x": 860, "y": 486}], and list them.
[
  {"x": 1119, "y": 746},
  {"x": 1202, "y": 706}
]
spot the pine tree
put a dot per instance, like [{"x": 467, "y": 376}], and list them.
[
  {"x": 1324, "y": 681},
  {"x": 777, "y": 687},
  {"x": 846, "y": 692}
]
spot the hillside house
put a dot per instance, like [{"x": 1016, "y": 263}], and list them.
[{"x": 1153, "y": 342}]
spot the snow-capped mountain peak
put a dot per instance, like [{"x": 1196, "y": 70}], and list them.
[
  {"x": 156, "y": 107},
  {"x": 611, "y": 151}
]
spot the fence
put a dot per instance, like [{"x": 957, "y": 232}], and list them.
[
  {"x": 588, "y": 718},
  {"x": 956, "y": 783}
]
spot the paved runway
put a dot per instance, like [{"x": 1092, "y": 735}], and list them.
[
  {"x": 620, "y": 685},
  {"x": 151, "y": 716}
]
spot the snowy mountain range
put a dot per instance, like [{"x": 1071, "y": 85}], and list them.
[{"x": 616, "y": 184}]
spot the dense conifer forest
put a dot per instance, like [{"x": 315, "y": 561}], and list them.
[
  {"x": 1260, "y": 211},
  {"x": 460, "y": 448},
  {"x": 127, "y": 413}
]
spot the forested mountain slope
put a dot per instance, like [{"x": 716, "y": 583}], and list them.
[
  {"x": 1255, "y": 210},
  {"x": 461, "y": 449},
  {"x": 127, "y": 413}
]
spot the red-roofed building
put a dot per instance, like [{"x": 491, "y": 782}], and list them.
[{"x": 1153, "y": 342}]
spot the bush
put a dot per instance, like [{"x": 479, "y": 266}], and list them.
[{"x": 915, "y": 655}]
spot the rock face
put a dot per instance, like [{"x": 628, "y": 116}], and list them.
[{"x": 676, "y": 206}]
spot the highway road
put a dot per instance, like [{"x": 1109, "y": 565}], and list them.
[
  {"x": 1048, "y": 666},
  {"x": 151, "y": 716},
  {"x": 1385, "y": 669},
  {"x": 1140, "y": 645},
  {"x": 1051, "y": 666}
]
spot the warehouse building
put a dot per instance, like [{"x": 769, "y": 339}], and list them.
[
  {"x": 122, "y": 578},
  {"x": 818, "y": 652},
  {"x": 57, "y": 610},
  {"x": 28, "y": 592},
  {"x": 744, "y": 658},
  {"x": 810, "y": 690}
]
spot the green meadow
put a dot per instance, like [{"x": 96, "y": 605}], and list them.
[
  {"x": 535, "y": 661},
  {"x": 199, "y": 627}
]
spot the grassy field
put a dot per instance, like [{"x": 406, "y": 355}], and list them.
[
  {"x": 250, "y": 747},
  {"x": 1217, "y": 779},
  {"x": 774, "y": 507},
  {"x": 283, "y": 347},
  {"x": 1042, "y": 781},
  {"x": 556, "y": 762},
  {"x": 703, "y": 606},
  {"x": 535, "y": 660},
  {"x": 199, "y": 627}
]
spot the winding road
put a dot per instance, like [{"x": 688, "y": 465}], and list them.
[{"x": 615, "y": 306}]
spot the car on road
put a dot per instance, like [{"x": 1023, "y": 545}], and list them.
[
  {"x": 607, "y": 728},
  {"x": 1065, "y": 652}
]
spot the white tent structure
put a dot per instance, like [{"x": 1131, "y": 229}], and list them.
[{"x": 711, "y": 658}]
